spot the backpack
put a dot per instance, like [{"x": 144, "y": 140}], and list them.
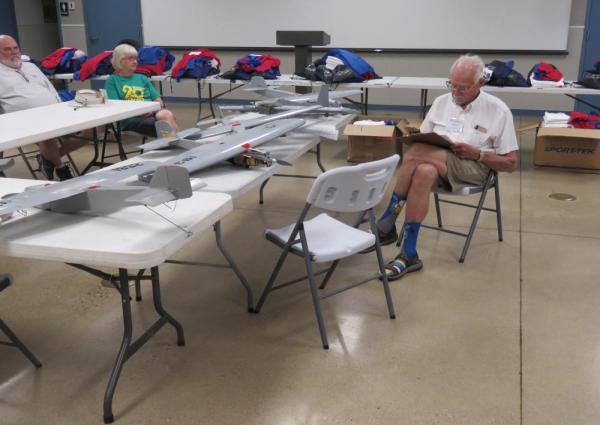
[
  {"x": 340, "y": 66},
  {"x": 250, "y": 65},
  {"x": 63, "y": 60},
  {"x": 154, "y": 60},
  {"x": 591, "y": 77},
  {"x": 503, "y": 74},
  {"x": 544, "y": 72},
  {"x": 199, "y": 63}
]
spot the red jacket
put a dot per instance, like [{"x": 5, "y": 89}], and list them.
[
  {"x": 89, "y": 67},
  {"x": 54, "y": 58},
  {"x": 188, "y": 56}
]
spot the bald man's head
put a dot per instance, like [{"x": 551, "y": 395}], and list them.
[{"x": 10, "y": 54}]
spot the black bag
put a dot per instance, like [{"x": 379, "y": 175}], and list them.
[
  {"x": 503, "y": 74},
  {"x": 591, "y": 77}
]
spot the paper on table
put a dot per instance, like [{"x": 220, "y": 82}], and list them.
[{"x": 431, "y": 139}]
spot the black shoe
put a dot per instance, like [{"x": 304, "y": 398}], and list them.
[
  {"x": 63, "y": 173},
  {"x": 384, "y": 239},
  {"x": 45, "y": 166}
]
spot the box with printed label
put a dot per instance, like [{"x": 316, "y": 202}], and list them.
[
  {"x": 567, "y": 148},
  {"x": 372, "y": 142}
]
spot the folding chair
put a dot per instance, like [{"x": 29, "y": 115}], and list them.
[
  {"x": 323, "y": 239},
  {"x": 5, "y": 281},
  {"x": 490, "y": 182}
]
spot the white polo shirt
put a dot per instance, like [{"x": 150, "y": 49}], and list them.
[
  {"x": 485, "y": 123},
  {"x": 25, "y": 88}
]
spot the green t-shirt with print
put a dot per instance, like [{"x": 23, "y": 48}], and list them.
[{"x": 135, "y": 87}]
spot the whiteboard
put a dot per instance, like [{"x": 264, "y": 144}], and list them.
[{"x": 540, "y": 25}]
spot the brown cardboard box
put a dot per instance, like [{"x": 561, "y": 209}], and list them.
[
  {"x": 567, "y": 147},
  {"x": 372, "y": 142}
]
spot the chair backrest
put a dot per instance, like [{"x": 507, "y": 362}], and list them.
[
  {"x": 5, "y": 281},
  {"x": 353, "y": 188}
]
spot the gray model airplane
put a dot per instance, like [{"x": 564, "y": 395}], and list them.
[
  {"x": 281, "y": 100},
  {"x": 106, "y": 190},
  {"x": 228, "y": 125}
]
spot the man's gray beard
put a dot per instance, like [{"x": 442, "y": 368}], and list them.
[{"x": 15, "y": 62}]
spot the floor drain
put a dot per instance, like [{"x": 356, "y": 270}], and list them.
[{"x": 562, "y": 196}]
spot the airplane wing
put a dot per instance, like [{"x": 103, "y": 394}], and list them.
[
  {"x": 229, "y": 146},
  {"x": 50, "y": 192}
]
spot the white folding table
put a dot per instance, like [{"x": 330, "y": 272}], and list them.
[
  {"x": 129, "y": 239},
  {"x": 46, "y": 122},
  {"x": 424, "y": 84}
]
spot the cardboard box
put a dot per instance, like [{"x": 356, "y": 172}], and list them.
[
  {"x": 567, "y": 147},
  {"x": 372, "y": 142}
]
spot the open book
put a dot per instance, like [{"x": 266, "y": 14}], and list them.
[{"x": 431, "y": 139}]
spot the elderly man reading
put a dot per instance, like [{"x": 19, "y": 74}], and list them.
[
  {"x": 482, "y": 129},
  {"x": 24, "y": 86}
]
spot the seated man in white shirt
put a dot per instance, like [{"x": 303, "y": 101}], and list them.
[
  {"x": 482, "y": 128},
  {"x": 24, "y": 86}
]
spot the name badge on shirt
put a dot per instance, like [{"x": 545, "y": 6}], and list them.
[{"x": 455, "y": 125}]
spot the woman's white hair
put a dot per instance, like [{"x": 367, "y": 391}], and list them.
[
  {"x": 119, "y": 53},
  {"x": 471, "y": 62}
]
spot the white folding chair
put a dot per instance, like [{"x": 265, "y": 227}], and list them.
[
  {"x": 352, "y": 189},
  {"x": 5, "y": 281},
  {"x": 490, "y": 182}
]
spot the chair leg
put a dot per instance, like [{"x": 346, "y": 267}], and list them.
[
  {"x": 17, "y": 343},
  {"x": 329, "y": 273},
  {"x": 474, "y": 223},
  {"x": 313, "y": 290},
  {"x": 498, "y": 209},
  {"x": 26, "y": 161},
  {"x": 384, "y": 280},
  {"x": 269, "y": 286},
  {"x": 438, "y": 211},
  {"x": 400, "y": 236}
]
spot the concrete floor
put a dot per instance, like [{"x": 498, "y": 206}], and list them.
[{"x": 509, "y": 337}]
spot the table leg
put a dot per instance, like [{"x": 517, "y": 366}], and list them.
[
  {"x": 123, "y": 350},
  {"x": 234, "y": 267},
  {"x": 423, "y": 103},
  {"x": 129, "y": 348}
]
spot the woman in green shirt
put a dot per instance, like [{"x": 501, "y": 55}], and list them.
[{"x": 125, "y": 84}]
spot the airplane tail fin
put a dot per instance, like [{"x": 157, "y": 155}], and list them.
[
  {"x": 256, "y": 83},
  {"x": 323, "y": 98},
  {"x": 169, "y": 182},
  {"x": 164, "y": 130}
]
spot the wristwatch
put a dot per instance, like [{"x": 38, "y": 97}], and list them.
[{"x": 481, "y": 155}]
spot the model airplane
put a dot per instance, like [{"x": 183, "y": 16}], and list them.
[
  {"x": 228, "y": 125},
  {"x": 106, "y": 190},
  {"x": 281, "y": 100}
]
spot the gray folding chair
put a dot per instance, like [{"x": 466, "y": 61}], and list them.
[
  {"x": 5, "y": 281},
  {"x": 490, "y": 182},
  {"x": 323, "y": 239}
]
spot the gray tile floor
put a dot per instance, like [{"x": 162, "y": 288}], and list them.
[{"x": 509, "y": 337}]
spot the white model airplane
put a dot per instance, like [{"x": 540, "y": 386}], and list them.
[
  {"x": 282, "y": 100},
  {"x": 228, "y": 125},
  {"x": 106, "y": 190}
]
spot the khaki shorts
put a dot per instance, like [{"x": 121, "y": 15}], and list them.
[{"x": 463, "y": 172}]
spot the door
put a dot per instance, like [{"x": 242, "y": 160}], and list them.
[
  {"x": 109, "y": 21},
  {"x": 590, "y": 52},
  {"x": 8, "y": 20}
]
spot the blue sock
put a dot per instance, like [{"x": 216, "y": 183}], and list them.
[
  {"x": 411, "y": 233},
  {"x": 388, "y": 219}
]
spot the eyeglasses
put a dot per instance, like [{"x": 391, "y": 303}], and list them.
[{"x": 457, "y": 87}]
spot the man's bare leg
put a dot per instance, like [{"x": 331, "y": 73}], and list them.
[{"x": 415, "y": 156}]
